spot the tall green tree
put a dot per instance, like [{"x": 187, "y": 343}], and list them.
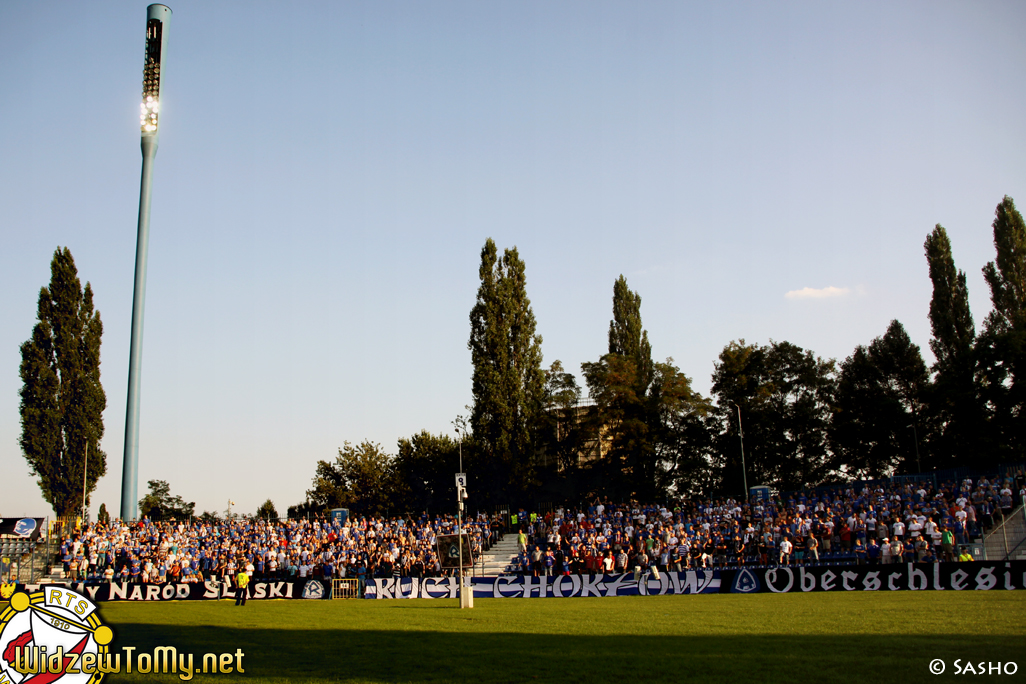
[
  {"x": 741, "y": 388},
  {"x": 1001, "y": 349},
  {"x": 424, "y": 468},
  {"x": 627, "y": 338},
  {"x": 878, "y": 416},
  {"x": 1007, "y": 276},
  {"x": 641, "y": 407},
  {"x": 561, "y": 436},
  {"x": 560, "y": 424},
  {"x": 158, "y": 504},
  {"x": 361, "y": 478},
  {"x": 267, "y": 511},
  {"x": 62, "y": 400},
  {"x": 955, "y": 402},
  {"x": 785, "y": 394},
  {"x": 508, "y": 381}
]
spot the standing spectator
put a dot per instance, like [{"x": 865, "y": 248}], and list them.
[
  {"x": 947, "y": 544},
  {"x": 897, "y": 550},
  {"x": 873, "y": 552},
  {"x": 813, "y": 546},
  {"x": 241, "y": 582},
  {"x": 785, "y": 551},
  {"x": 860, "y": 552}
]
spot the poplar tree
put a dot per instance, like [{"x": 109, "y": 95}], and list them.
[
  {"x": 1002, "y": 346},
  {"x": 1007, "y": 277},
  {"x": 62, "y": 400},
  {"x": 508, "y": 381},
  {"x": 626, "y": 336},
  {"x": 645, "y": 411},
  {"x": 954, "y": 399},
  {"x": 950, "y": 318}
]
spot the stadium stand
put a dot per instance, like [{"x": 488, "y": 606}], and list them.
[{"x": 863, "y": 522}]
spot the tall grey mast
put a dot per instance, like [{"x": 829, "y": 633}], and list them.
[{"x": 157, "y": 18}]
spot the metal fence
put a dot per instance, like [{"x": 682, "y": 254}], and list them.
[{"x": 345, "y": 589}]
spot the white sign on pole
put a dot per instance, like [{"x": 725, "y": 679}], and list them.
[{"x": 461, "y": 479}]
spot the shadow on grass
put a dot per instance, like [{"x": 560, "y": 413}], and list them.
[{"x": 353, "y": 655}]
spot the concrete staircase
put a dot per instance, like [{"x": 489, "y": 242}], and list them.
[
  {"x": 1007, "y": 541},
  {"x": 496, "y": 559}
]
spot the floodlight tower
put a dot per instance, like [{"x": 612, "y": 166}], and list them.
[{"x": 157, "y": 18}]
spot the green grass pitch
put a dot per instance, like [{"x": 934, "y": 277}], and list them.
[{"x": 795, "y": 638}]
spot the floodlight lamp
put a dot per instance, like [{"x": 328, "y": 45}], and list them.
[{"x": 156, "y": 44}]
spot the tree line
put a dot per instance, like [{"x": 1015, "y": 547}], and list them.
[{"x": 642, "y": 432}]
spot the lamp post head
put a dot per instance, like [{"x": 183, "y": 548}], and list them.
[{"x": 157, "y": 17}]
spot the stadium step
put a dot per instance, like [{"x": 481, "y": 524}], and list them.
[
  {"x": 496, "y": 560},
  {"x": 1008, "y": 538}
]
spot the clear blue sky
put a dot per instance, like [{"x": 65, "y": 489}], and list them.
[{"x": 328, "y": 173}]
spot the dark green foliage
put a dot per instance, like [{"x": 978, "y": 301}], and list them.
[
  {"x": 160, "y": 505},
  {"x": 785, "y": 394},
  {"x": 1001, "y": 349},
  {"x": 626, "y": 336},
  {"x": 1007, "y": 278},
  {"x": 424, "y": 470},
  {"x": 561, "y": 432},
  {"x": 303, "y": 510},
  {"x": 267, "y": 511},
  {"x": 62, "y": 400},
  {"x": 950, "y": 318},
  {"x": 646, "y": 412},
  {"x": 954, "y": 404},
  {"x": 880, "y": 396},
  {"x": 508, "y": 382},
  {"x": 562, "y": 437},
  {"x": 360, "y": 479},
  {"x": 103, "y": 516}
]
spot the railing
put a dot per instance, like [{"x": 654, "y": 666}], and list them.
[
  {"x": 1002, "y": 543},
  {"x": 22, "y": 560},
  {"x": 345, "y": 589}
]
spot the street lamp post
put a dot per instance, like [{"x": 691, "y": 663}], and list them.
[
  {"x": 85, "y": 472},
  {"x": 466, "y": 598},
  {"x": 915, "y": 436},
  {"x": 741, "y": 437},
  {"x": 157, "y": 18}
]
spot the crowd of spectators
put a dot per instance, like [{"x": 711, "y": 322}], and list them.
[
  {"x": 197, "y": 550},
  {"x": 856, "y": 523}
]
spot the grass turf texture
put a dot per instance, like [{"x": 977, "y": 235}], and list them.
[{"x": 815, "y": 637}]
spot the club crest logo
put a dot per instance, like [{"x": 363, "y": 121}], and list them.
[
  {"x": 313, "y": 590},
  {"x": 7, "y": 590},
  {"x": 745, "y": 582},
  {"x": 52, "y": 634}
]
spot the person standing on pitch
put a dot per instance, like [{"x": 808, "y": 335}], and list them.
[{"x": 241, "y": 582}]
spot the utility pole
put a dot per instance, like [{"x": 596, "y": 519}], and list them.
[
  {"x": 157, "y": 18},
  {"x": 466, "y": 597}
]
